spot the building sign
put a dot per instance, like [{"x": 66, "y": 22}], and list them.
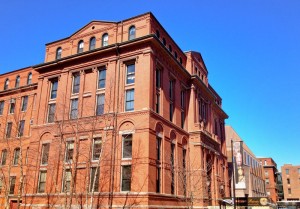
[
  {"x": 252, "y": 201},
  {"x": 238, "y": 165}
]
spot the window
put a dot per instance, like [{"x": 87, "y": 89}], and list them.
[
  {"x": 8, "y": 129},
  {"x": 126, "y": 178},
  {"x": 76, "y": 83},
  {"x": 287, "y": 171},
  {"x": 158, "y": 78},
  {"x": 298, "y": 170},
  {"x": 171, "y": 95},
  {"x": 58, "y": 53},
  {"x": 131, "y": 34},
  {"x": 24, "y": 103},
  {"x": 170, "y": 48},
  {"x": 175, "y": 55},
  {"x": 101, "y": 78},
  {"x": 67, "y": 180},
  {"x": 45, "y": 154},
  {"x": 16, "y": 156},
  {"x": 17, "y": 84},
  {"x": 164, "y": 41},
  {"x": 6, "y": 84},
  {"x": 3, "y": 157},
  {"x": 158, "y": 169},
  {"x": 12, "y": 106},
  {"x": 42, "y": 181},
  {"x": 158, "y": 177},
  {"x": 80, "y": 46},
  {"x": 182, "y": 104},
  {"x": 94, "y": 184},
  {"x": 1, "y": 183},
  {"x": 157, "y": 34},
  {"x": 127, "y": 146},
  {"x": 157, "y": 103},
  {"x": 29, "y": 79},
  {"x": 97, "y": 146},
  {"x": 100, "y": 104},
  {"x": 288, "y": 181},
  {"x": 69, "y": 152},
  {"x": 172, "y": 168},
  {"x": 92, "y": 43},
  {"x": 51, "y": 113},
  {"x": 74, "y": 109},
  {"x": 184, "y": 170},
  {"x": 180, "y": 60},
  {"x": 12, "y": 184},
  {"x": 158, "y": 148},
  {"x": 1, "y": 107},
  {"x": 21, "y": 128},
  {"x": 105, "y": 39},
  {"x": 130, "y": 76},
  {"x": 289, "y": 191},
  {"x": 129, "y": 100},
  {"x": 267, "y": 181},
  {"x": 54, "y": 85}
]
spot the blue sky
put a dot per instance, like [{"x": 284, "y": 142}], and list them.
[{"x": 251, "y": 49}]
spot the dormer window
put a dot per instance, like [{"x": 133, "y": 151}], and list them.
[
  {"x": 131, "y": 34},
  {"x": 92, "y": 43},
  {"x": 58, "y": 53},
  {"x": 80, "y": 46},
  {"x": 105, "y": 39},
  {"x": 17, "y": 82},
  {"x": 29, "y": 79},
  {"x": 6, "y": 83}
]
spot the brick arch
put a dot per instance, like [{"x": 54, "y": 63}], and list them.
[
  {"x": 159, "y": 130},
  {"x": 173, "y": 136},
  {"x": 127, "y": 125},
  {"x": 46, "y": 135},
  {"x": 184, "y": 142}
]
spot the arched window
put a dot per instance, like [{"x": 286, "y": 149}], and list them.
[
  {"x": 164, "y": 41},
  {"x": 170, "y": 48},
  {"x": 131, "y": 34},
  {"x": 80, "y": 46},
  {"x": 58, "y": 53},
  {"x": 17, "y": 81},
  {"x": 105, "y": 39},
  {"x": 92, "y": 43},
  {"x": 29, "y": 79},
  {"x": 157, "y": 34},
  {"x": 6, "y": 84}
]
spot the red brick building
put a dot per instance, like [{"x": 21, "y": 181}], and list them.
[
  {"x": 117, "y": 116},
  {"x": 291, "y": 182}
]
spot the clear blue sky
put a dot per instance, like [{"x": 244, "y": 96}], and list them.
[{"x": 251, "y": 49}]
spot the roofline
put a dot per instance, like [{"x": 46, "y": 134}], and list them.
[{"x": 13, "y": 71}]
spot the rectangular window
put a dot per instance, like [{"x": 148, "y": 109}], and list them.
[
  {"x": 289, "y": 191},
  {"x": 74, "y": 109},
  {"x": 1, "y": 107},
  {"x": 8, "y": 129},
  {"x": 45, "y": 154},
  {"x": 3, "y": 157},
  {"x": 158, "y": 148},
  {"x": 42, "y": 182},
  {"x": 67, "y": 180},
  {"x": 158, "y": 78},
  {"x": 182, "y": 119},
  {"x": 157, "y": 103},
  {"x": 97, "y": 146},
  {"x": 24, "y": 103},
  {"x": 12, "y": 106},
  {"x": 69, "y": 152},
  {"x": 21, "y": 128},
  {"x": 101, "y": 78},
  {"x": 100, "y": 104},
  {"x": 171, "y": 89},
  {"x": 298, "y": 170},
  {"x": 126, "y": 178},
  {"x": 54, "y": 85},
  {"x": 158, "y": 174},
  {"x": 76, "y": 83},
  {"x": 130, "y": 75},
  {"x": 12, "y": 184},
  {"x": 287, "y": 171},
  {"x": 267, "y": 181},
  {"x": 51, "y": 113},
  {"x": 184, "y": 171},
  {"x": 288, "y": 181},
  {"x": 94, "y": 178},
  {"x": 129, "y": 106},
  {"x": 16, "y": 156},
  {"x": 172, "y": 168},
  {"x": 171, "y": 111},
  {"x": 127, "y": 146}
]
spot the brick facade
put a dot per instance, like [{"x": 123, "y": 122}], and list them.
[{"x": 291, "y": 182}]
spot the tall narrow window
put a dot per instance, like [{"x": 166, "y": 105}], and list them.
[
  {"x": 100, "y": 104},
  {"x": 289, "y": 191},
  {"x": 21, "y": 128},
  {"x": 12, "y": 184},
  {"x": 1, "y": 107},
  {"x": 158, "y": 164},
  {"x": 129, "y": 106},
  {"x": 45, "y": 154},
  {"x": 92, "y": 43},
  {"x": 42, "y": 181},
  {"x": 24, "y": 103},
  {"x": 105, "y": 39},
  {"x": 80, "y": 46},
  {"x": 101, "y": 78},
  {"x": 69, "y": 152},
  {"x": 54, "y": 85},
  {"x": 171, "y": 95},
  {"x": 158, "y": 148},
  {"x": 127, "y": 146},
  {"x": 3, "y": 157},
  {"x": 6, "y": 84},
  {"x": 17, "y": 81},
  {"x": 76, "y": 83},
  {"x": 58, "y": 53},
  {"x": 8, "y": 129},
  {"x": 12, "y": 106},
  {"x": 131, "y": 34},
  {"x": 184, "y": 170},
  {"x": 130, "y": 76},
  {"x": 29, "y": 79},
  {"x": 74, "y": 109},
  {"x": 16, "y": 156},
  {"x": 51, "y": 113},
  {"x": 287, "y": 171},
  {"x": 182, "y": 104},
  {"x": 172, "y": 168},
  {"x": 158, "y": 78},
  {"x": 97, "y": 146},
  {"x": 94, "y": 179},
  {"x": 157, "y": 103},
  {"x": 126, "y": 178},
  {"x": 67, "y": 180}
]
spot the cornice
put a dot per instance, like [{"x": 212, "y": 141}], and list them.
[{"x": 19, "y": 89}]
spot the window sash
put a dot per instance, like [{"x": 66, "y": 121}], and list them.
[
  {"x": 21, "y": 128},
  {"x": 101, "y": 78},
  {"x": 76, "y": 83},
  {"x": 105, "y": 40},
  {"x": 45, "y": 154},
  {"x": 130, "y": 77},
  {"x": 97, "y": 147},
  {"x": 8, "y": 129},
  {"x": 29, "y": 78},
  {"x": 69, "y": 152},
  {"x": 3, "y": 157},
  {"x": 12, "y": 108},
  {"x": 131, "y": 33},
  {"x": 67, "y": 181},
  {"x": 92, "y": 43},
  {"x": 1, "y": 107},
  {"x": 24, "y": 103},
  {"x": 16, "y": 156},
  {"x": 54, "y": 85},
  {"x": 100, "y": 104},
  {"x": 42, "y": 181},
  {"x": 127, "y": 146},
  {"x": 58, "y": 53},
  {"x": 95, "y": 173},
  {"x": 129, "y": 100},
  {"x": 51, "y": 113},
  {"x": 74, "y": 109},
  {"x": 17, "y": 82},
  {"x": 12, "y": 183},
  {"x": 126, "y": 178}
]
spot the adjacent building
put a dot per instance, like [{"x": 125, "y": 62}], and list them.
[
  {"x": 117, "y": 116},
  {"x": 291, "y": 182}
]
